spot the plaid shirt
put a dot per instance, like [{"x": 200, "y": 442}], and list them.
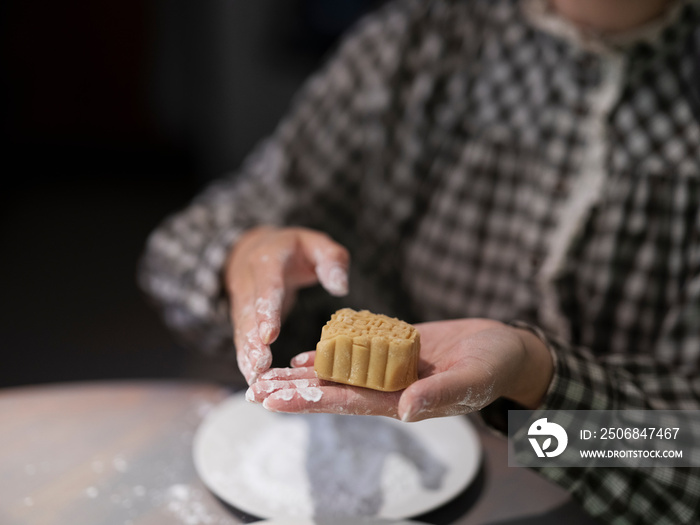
[{"x": 484, "y": 159}]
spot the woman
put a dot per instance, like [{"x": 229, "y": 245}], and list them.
[{"x": 525, "y": 176}]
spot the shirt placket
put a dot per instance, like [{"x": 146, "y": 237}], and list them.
[{"x": 586, "y": 189}]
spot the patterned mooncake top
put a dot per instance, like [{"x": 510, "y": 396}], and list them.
[{"x": 354, "y": 324}]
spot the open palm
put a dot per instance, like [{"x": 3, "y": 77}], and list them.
[{"x": 464, "y": 365}]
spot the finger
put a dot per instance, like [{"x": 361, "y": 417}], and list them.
[
  {"x": 284, "y": 374},
  {"x": 336, "y": 399},
  {"x": 331, "y": 261},
  {"x": 267, "y": 269},
  {"x": 268, "y": 311},
  {"x": 246, "y": 367},
  {"x": 252, "y": 354},
  {"x": 262, "y": 389},
  {"x": 449, "y": 393},
  {"x": 304, "y": 359},
  {"x": 258, "y": 353},
  {"x": 241, "y": 293}
]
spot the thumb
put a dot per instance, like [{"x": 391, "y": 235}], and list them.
[{"x": 450, "y": 393}]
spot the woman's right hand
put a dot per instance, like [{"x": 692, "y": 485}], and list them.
[{"x": 262, "y": 274}]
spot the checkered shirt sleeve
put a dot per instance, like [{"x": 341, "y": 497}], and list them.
[
  {"x": 584, "y": 381},
  {"x": 478, "y": 161}
]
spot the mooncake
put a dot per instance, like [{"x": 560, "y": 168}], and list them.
[{"x": 368, "y": 350}]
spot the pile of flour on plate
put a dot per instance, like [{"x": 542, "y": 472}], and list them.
[{"x": 330, "y": 465}]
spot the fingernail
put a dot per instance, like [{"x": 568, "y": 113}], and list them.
[
  {"x": 301, "y": 359},
  {"x": 408, "y": 414},
  {"x": 413, "y": 410},
  {"x": 252, "y": 377},
  {"x": 334, "y": 278},
  {"x": 282, "y": 395},
  {"x": 338, "y": 281},
  {"x": 263, "y": 363},
  {"x": 270, "y": 374},
  {"x": 250, "y": 395},
  {"x": 267, "y": 386},
  {"x": 265, "y": 330}
]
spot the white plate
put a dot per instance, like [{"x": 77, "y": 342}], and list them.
[{"x": 366, "y": 466}]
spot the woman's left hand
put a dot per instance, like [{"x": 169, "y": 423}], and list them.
[{"x": 464, "y": 365}]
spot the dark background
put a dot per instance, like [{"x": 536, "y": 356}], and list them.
[{"x": 113, "y": 114}]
